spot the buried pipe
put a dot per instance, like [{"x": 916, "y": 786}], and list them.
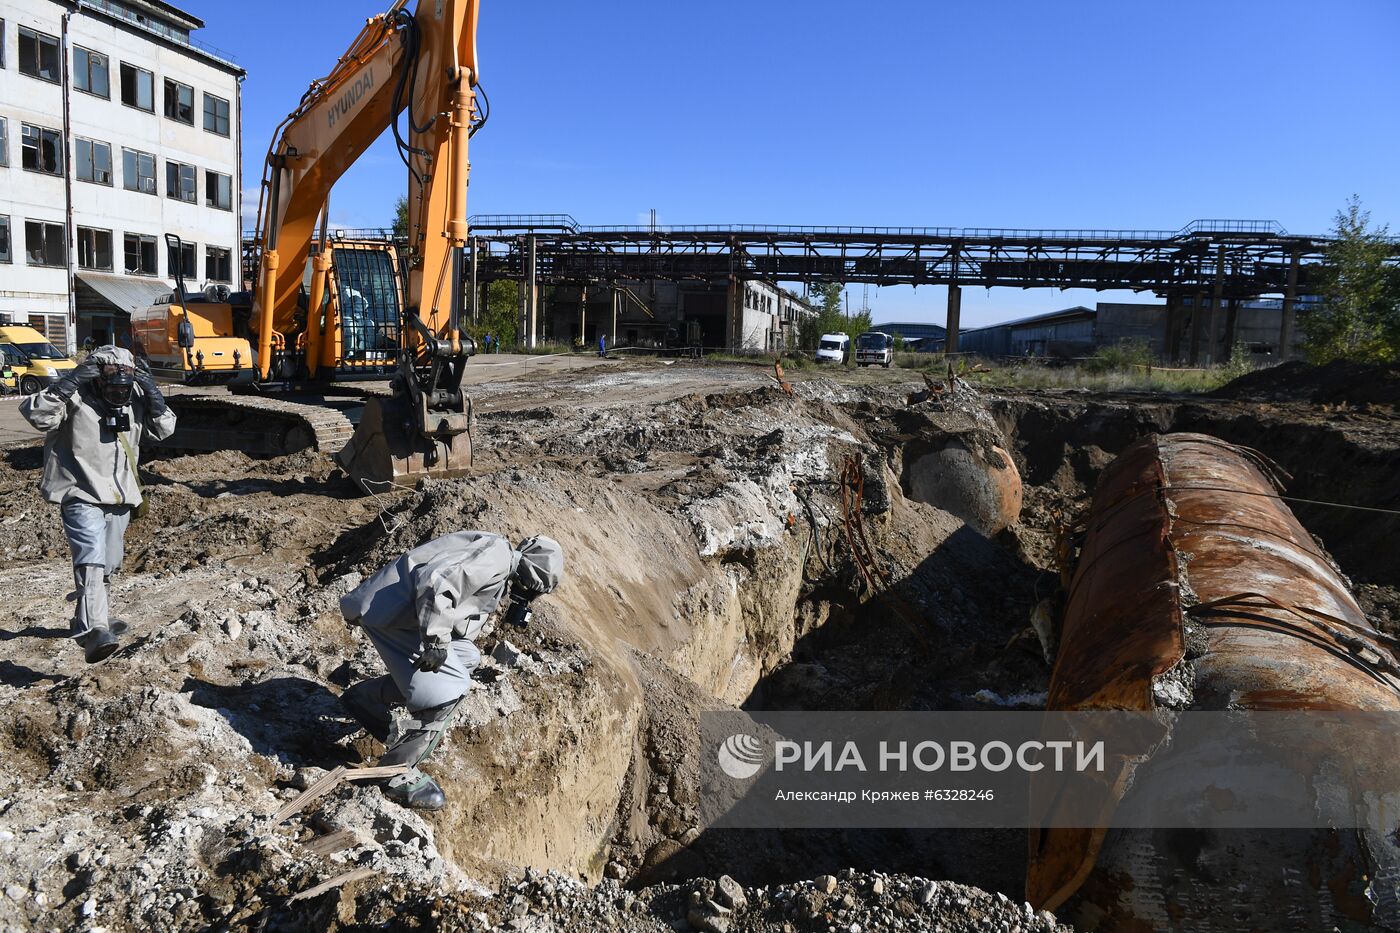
[{"x": 1196, "y": 588}]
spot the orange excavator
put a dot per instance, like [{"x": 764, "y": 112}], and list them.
[{"x": 325, "y": 312}]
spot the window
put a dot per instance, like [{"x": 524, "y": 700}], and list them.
[
  {"x": 218, "y": 264},
  {"x": 138, "y": 171},
  {"x": 5, "y": 255},
  {"x": 138, "y": 88},
  {"x": 185, "y": 260},
  {"x": 41, "y": 149},
  {"x": 43, "y": 243},
  {"x": 218, "y": 191},
  {"x": 179, "y": 102},
  {"x": 215, "y": 114},
  {"x": 94, "y": 161},
  {"x": 140, "y": 255},
  {"x": 95, "y": 249},
  {"x": 180, "y": 182},
  {"x": 2, "y": 43},
  {"x": 4, "y": 134},
  {"x": 38, "y": 55},
  {"x": 90, "y": 72}
]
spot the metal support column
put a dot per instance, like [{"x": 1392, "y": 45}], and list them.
[
  {"x": 476, "y": 294},
  {"x": 1290, "y": 297},
  {"x": 1198, "y": 318},
  {"x": 1213, "y": 319},
  {"x": 616, "y": 301},
  {"x": 1232, "y": 319},
  {"x": 583, "y": 315},
  {"x": 532, "y": 294},
  {"x": 734, "y": 318},
  {"x": 1171, "y": 344},
  {"x": 950, "y": 344}
]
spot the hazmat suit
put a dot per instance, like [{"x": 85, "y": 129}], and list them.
[
  {"x": 422, "y": 613},
  {"x": 94, "y": 420}
]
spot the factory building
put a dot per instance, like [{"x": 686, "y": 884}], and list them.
[
  {"x": 660, "y": 313},
  {"x": 1079, "y": 331},
  {"x": 117, "y": 127},
  {"x": 917, "y": 337}
]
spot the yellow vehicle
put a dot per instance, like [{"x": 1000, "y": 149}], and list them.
[
  {"x": 37, "y": 364},
  {"x": 324, "y": 312}
]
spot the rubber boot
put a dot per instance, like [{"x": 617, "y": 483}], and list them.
[
  {"x": 369, "y": 702},
  {"x": 413, "y": 742},
  {"x": 98, "y": 645},
  {"x": 415, "y": 790}
]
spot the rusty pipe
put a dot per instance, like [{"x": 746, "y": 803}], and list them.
[{"x": 1196, "y": 587}]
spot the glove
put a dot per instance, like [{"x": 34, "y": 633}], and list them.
[
  {"x": 86, "y": 371},
  {"x": 518, "y": 613},
  {"x": 155, "y": 402},
  {"x": 431, "y": 659}
]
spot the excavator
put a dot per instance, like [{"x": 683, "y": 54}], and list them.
[{"x": 325, "y": 313}]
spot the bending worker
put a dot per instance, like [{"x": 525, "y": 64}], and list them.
[
  {"x": 421, "y": 613},
  {"x": 95, "y": 418}
]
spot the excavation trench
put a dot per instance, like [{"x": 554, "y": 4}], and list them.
[{"x": 708, "y": 568}]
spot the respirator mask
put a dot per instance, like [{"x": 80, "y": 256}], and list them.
[{"x": 114, "y": 385}]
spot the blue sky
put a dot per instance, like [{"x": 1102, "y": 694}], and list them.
[{"x": 1106, "y": 114}]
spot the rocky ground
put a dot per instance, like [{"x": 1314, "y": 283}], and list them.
[{"x": 708, "y": 568}]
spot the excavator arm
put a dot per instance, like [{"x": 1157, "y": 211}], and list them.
[{"x": 419, "y": 69}]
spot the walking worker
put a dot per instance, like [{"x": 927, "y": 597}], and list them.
[
  {"x": 602, "y": 346},
  {"x": 94, "y": 420},
  {"x": 422, "y": 613}
]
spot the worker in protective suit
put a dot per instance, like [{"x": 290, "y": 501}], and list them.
[
  {"x": 95, "y": 418},
  {"x": 421, "y": 613}
]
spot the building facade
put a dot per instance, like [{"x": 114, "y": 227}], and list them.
[
  {"x": 758, "y": 317},
  {"x": 116, "y": 129}
]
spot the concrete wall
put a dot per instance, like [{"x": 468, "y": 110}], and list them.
[{"x": 27, "y": 288}]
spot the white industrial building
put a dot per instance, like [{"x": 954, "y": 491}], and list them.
[{"x": 116, "y": 128}]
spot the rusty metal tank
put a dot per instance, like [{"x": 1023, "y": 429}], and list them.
[{"x": 1194, "y": 587}]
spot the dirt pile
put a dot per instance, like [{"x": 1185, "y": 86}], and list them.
[{"x": 1337, "y": 383}]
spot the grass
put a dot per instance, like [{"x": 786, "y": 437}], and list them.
[{"x": 1113, "y": 371}]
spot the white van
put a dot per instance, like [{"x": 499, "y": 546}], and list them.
[{"x": 834, "y": 348}]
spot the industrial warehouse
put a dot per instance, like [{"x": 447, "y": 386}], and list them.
[{"x": 742, "y": 551}]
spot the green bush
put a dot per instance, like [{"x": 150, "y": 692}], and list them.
[{"x": 1126, "y": 354}]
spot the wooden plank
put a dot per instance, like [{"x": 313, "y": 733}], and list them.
[
  {"x": 323, "y": 786},
  {"x": 336, "y": 882},
  {"x": 326, "y": 784},
  {"x": 332, "y": 843}
]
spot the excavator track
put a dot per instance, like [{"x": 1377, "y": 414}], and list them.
[{"x": 256, "y": 425}]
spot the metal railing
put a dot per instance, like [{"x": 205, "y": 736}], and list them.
[{"x": 157, "y": 28}]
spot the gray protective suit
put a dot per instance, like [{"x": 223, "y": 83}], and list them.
[
  {"x": 90, "y": 472},
  {"x": 437, "y": 596}
]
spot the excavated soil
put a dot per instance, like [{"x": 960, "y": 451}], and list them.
[{"x": 707, "y": 569}]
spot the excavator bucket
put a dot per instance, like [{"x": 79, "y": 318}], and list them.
[{"x": 385, "y": 449}]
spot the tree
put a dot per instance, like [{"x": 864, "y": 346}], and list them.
[
  {"x": 501, "y": 316},
  {"x": 829, "y": 319},
  {"x": 401, "y": 216},
  {"x": 1359, "y": 315}
]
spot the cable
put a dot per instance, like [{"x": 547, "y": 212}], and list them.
[
  {"x": 485, "y": 111},
  {"x": 1268, "y": 495}
]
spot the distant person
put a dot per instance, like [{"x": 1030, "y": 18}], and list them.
[
  {"x": 94, "y": 419},
  {"x": 486, "y": 343},
  {"x": 602, "y": 346},
  {"x": 422, "y": 613}
]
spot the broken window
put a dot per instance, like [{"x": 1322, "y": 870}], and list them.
[
  {"x": 140, "y": 255},
  {"x": 5, "y": 255},
  {"x": 218, "y": 264},
  {"x": 138, "y": 88},
  {"x": 216, "y": 115},
  {"x": 138, "y": 171},
  {"x": 94, "y": 160},
  {"x": 184, "y": 259},
  {"x": 218, "y": 191},
  {"x": 90, "y": 72},
  {"x": 179, "y": 102},
  {"x": 38, "y": 55},
  {"x": 41, "y": 149},
  {"x": 95, "y": 249},
  {"x": 44, "y": 243},
  {"x": 180, "y": 182}
]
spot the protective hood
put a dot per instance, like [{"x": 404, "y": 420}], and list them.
[{"x": 541, "y": 566}]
